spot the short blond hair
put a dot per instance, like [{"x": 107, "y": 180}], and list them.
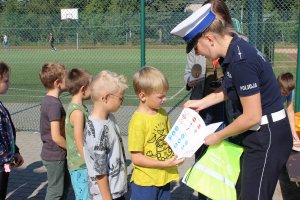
[
  {"x": 50, "y": 73},
  {"x": 149, "y": 79},
  {"x": 107, "y": 82}
]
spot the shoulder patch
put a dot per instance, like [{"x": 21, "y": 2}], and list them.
[{"x": 238, "y": 54}]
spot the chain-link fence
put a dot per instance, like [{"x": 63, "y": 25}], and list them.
[{"x": 106, "y": 35}]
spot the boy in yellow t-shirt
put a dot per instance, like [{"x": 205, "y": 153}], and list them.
[{"x": 155, "y": 164}]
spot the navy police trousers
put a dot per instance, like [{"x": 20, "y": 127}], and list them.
[{"x": 265, "y": 153}]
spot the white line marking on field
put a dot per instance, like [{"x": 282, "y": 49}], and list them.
[
  {"x": 172, "y": 97},
  {"x": 29, "y": 96},
  {"x": 26, "y": 89},
  {"x": 61, "y": 97},
  {"x": 130, "y": 95}
]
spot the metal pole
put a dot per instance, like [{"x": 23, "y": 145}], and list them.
[
  {"x": 242, "y": 15},
  {"x": 77, "y": 41},
  {"x": 297, "y": 95},
  {"x": 77, "y": 35},
  {"x": 255, "y": 20},
  {"x": 143, "y": 60}
]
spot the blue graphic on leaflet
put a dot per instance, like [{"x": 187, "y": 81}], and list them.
[
  {"x": 185, "y": 132},
  {"x": 188, "y": 133},
  {"x": 181, "y": 140}
]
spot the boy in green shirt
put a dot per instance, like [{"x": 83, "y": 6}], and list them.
[{"x": 78, "y": 84}]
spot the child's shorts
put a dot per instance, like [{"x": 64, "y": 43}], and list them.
[
  {"x": 150, "y": 192},
  {"x": 79, "y": 180}
]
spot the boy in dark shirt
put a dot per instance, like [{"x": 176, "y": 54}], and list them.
[{"x": 52, "y": 130}]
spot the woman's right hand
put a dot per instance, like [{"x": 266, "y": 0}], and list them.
[{"x": 296, "y": 143}]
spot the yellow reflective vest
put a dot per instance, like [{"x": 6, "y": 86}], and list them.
[{"x": 216, "y": 173}]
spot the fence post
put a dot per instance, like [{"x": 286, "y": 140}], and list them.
[
  {"x": 297, "y": 99},
  {"x": 142, "y": 33},
  {"x": 255, "y": 20}
]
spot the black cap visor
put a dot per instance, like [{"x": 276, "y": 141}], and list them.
[{"x": 190, "y": 45}]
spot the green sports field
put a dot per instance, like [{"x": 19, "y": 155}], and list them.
[
  {"x": 25, "y": 66},
  {"x": 26, "y": 63},
  {"x": 25, "y": 94}
]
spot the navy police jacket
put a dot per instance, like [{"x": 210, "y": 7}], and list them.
[{"x": 248, "y": 72}]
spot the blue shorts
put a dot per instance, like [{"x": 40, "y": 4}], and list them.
[
  {"x": 79, "y": 180},
  {"x": 150, "y": 192}
]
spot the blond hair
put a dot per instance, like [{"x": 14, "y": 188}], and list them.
[
  {"x": 50, "y": 73},
  {"x": 218, "y": 26},
  {"x": 149, "y": 79},
  {"x": 107, "y": 82},
  {"x": 76, "y": 78}
]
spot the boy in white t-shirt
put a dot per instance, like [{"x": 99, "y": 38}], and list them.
[{"x": 102, "y": 144}]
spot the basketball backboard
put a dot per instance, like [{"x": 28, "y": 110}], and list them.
[{"x": 69, "y": 14}]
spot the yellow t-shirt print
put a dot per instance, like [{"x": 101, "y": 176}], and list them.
[{"x": 162, "y": 150}]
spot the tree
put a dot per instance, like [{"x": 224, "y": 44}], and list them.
[
  {"x": 165, "y": 5},
  {"x": 285, "y": 5},
  {"x": 163, "y": 15},
  {"x": 96, "y": 6}
]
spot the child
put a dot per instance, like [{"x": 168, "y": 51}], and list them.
[
  {"x": 155, "y": 165},
  {"x": 287, "y": 85},
  {"x": 52, "y": 130},
  {"x": 289, "y": 190},
  {"x": 103, "y": 149},
  {"x": 78, "y": 84},
  {"x": 9, "y": 152}
]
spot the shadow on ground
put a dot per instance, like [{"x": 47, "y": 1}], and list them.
[{"x": 29, "y": 183}]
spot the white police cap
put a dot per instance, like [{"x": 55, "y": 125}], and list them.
[{"x": 195, "y": 24}]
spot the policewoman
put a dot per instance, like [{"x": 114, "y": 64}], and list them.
[{"x": 251, "y": 85}]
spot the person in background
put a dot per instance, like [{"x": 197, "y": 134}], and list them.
[
  {"x": 52, "y": 129},
  {"x": 5, "y": 41},
  {"x": 154, "y": 163},
  {"x": 78, "y": 85},
  {"x": 289, "y": 190},
  {"x": 287, "y": 88},
  {"x": 103, "y": 148},
  {"x": 10, "y": 156},
  {"x": 195, "y": 81},
  {"x": 250, "y": 83},
  {"x": 51, "y": 41}
]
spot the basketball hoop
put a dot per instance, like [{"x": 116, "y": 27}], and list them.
[{"x": 69, "y": 14}]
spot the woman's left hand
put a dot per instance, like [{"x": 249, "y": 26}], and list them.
[
  {"x": 212, "y": 139},
  {"x": 193, "y": 104}
]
